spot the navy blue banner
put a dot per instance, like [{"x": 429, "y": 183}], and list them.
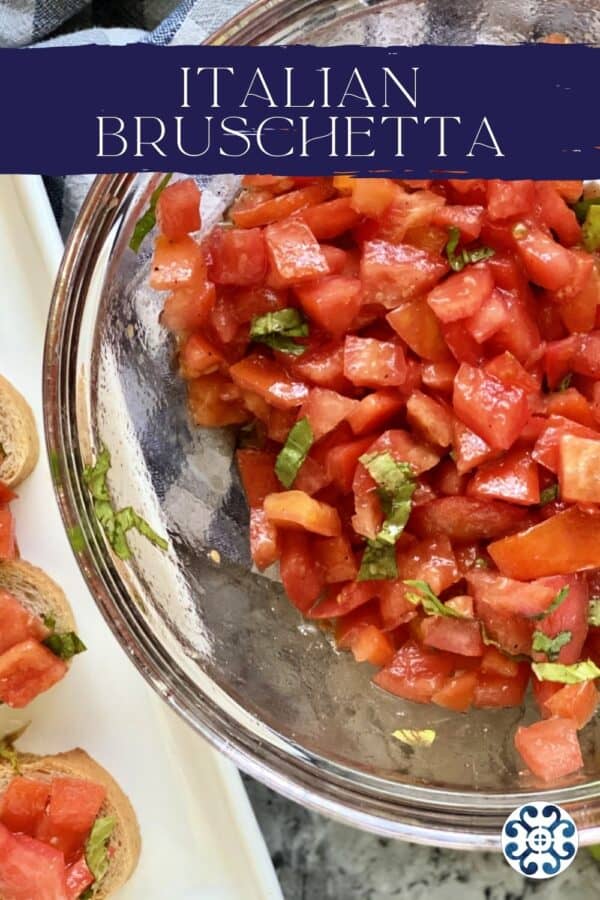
[{"x": 415, "y": 112}]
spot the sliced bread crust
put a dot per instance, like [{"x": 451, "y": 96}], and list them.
[
  {"x": 125, "y": 840},
  {"x": 37, "y": 592},
  {"x": 19, "y": 444}
]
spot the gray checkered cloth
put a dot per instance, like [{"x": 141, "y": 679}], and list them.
[{"x": 51, "y": 22}]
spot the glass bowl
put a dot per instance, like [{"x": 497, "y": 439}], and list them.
[{"x": 218, "y": 642}]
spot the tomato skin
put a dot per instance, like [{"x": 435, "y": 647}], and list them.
[
  {"x": 507, "y": 368},
  {"x": 548, "y": 264},
  {"x": 550, "y": 748},
  {"x": 453, "y": 635},
  {"x": 269, "y": 380},
  {"x": 322, "y": 364},
  {"x": 29, "y": 868},
  {"x": 510, "y": 596},
  {"x": 570, "y": 616},
  {"x": 547, "y": 447},
  {"x": 330, "y": 219},
  {"x": 574, "y": 701},
  {"x": 415, "y": 672},
  {"x": 514, "y": 478},
  {"x": 372, "y": 363},
  {"x": 392, "y": 274},
  {"x": 374, "y": 410},
  {"x": 23, "y": 804},
  {"x": 498, "y": 691},
  {"x": 73, "y": 808},
  {"x": 439, "y": 376},
  {"x": 294, "y": 252},
  {"x": 343, "y": 599},
  {"x": 417, "y": 325},
  {"x": 490, "y": 408},
  {"x": 332, "y": 302},
  {"x": 430, "y": 419},
  {"x": 336, "y": 559},
  {"x": 17, "y": 624},
  {"x": 198, "y": 357},
  {"x": 370, "y": 644},
  {"x": 300, "y": 573},
  {"x": 79, "y": 878},
  {"x": 468, "y": 220},
  {"x": 343, "y": 459},
  {"x": 571, "y": 404},
  {"x": 457, "y": 693},
  {"x": 187, "y": 309},
  {"x": 492, "y": 315},
  {"x": 295, "y": 509},
  {"x": 177, "y": 264},
  {"x": 566, "y": 543},
  {"x": 178, "y": 209},
  {"x": 237, "y": 256},
  {"x": 466, "y": 519},
  {"x": 461, "y": 294},
  {"x": 274, "y": 209},
  {"x": 213, "y": 401},
  {"x": 507, "y": 199},
  {"x": 26, "y": 670},
  {"x": 325, "y": 409},
  {"x": 579, "y": 469}
]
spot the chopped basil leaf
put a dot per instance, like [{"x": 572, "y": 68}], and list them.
[
  {"x": 431, "y": 604},
  {"x": 565, "y": 383},
  {"x": 96, "y": 847},
  {"x": 147, "y": 222},
  {"x": 591, "y": 228},
  {"x": 293, "y": 453},
  {"x": 116, "y": 523},
  {"x": 277, "y": 330},
  {"x": 66, "y": 645},
  {"x": 423, "y": 737},
  {"x": 582, "y": 207},
  {"x": 549, "y": 494},
  {"x": 481, "y": 563},
  {"x": 551, "y": 646},
  {"x": 573, "y": 674},
  {"x": 378, "y": 562},
  {"x": 49, "y": 621},
  {"x": 8, "y": 753},
  {"x": 594, "y": 612},
  {"x": 562, "y": 595},
  {"x": 461, "y": 259}
]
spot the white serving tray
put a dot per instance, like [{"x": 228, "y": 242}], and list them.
[{"x": 200, "y": 838}]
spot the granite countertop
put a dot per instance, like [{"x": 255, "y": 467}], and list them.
[{"x": 318, "y": 859}]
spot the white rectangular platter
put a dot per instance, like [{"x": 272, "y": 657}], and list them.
[{"x": 200, "y": 838}]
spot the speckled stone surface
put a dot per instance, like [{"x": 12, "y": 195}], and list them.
[{"x": 318, "y": 859}]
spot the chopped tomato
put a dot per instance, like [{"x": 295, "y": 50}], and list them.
[
  {"x": 466, "y": 519},
  {"x": 571, "y": 404},
  {"x": 276, "y": 208},
  {"x": 198, "y": 357},
  {"x": 302, "y": 576},
  {"x": 294, "y": 251},
  {"x": 343, "y": 459},
  {"x": 17, "y": 624},
  {"x": 454, "y": 635},
  {"x": 332, "y": 302},
  {"x": 238, "y": 256},
  {"x": 330, "y": 219},
  {"x": 417, "y": 325},
  {"x": 430, "y": 419},
  {"x": 498, "y": 663},
  {"x": 510, "y": 596},
  {"x": 507, "y": 199},
  {"x": 470, "y": 450},
  {"x": 264, "y": 540},
  {"x": 546, "y": 262},
  {"x": 491, "y": 317},
  {"x": 550, "y": 748},
  {"x": 79, "y": 878},
  {"x": 26, "y": 670},
  {"x": 392, "y": 274},
  {"x": 579, "y": 468},
  {"x": 457, "y": 693},
  {"x": 323, "y": 364},
  {"x": 495, "y": 411},
  {"x": 460, "y": 295},
  {"x": 372, "y": 363},
  {"x": 513, "y": 478},
  {"x": 30, "y": 869},
  {"x": 295, "y": 509},
  {"x": 468, "y": 220},
  {"x": 23, "y": 804},
  {"x": 336, "y": 559},
  {"x": 269, "y": 380},
  {"x": 498, "y": 691},
  {"x": 214, "y": 402},
  {"x": 325, "y": 409},
  {"x": 372, "y": 196},
  {"x": 177, "y": 264},
  {"x": 374, "y": 410},
  {"x": 574, "y": 701},
  {"x": 187, "y": 309},
  {"x": 370, "y": 644},
  {"x": 178, "y": 209},
  {"x": 73, "y": 808},
  {"x": 340, "y": 600},
  {"x": 257, "y": 471},
  {"x": 569, "y": 617},
  {"x": 547, "y": 447},
  {"x": 415, "y": 672},
  {"x": 439, "y": 376}
]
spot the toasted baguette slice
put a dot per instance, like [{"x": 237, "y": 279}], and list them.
[
  {"x": 125, "y": 840},
  {"x": 37, "y": 592},
  {"x": 19, "y": 445}
]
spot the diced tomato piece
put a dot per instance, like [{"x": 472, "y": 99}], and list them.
[
  {"x": 574, "y": 701},
  {"x": 223, "y": 318},
  {"x": 257, "y": 471},
  {"x": 269, "y": 380},
  {"x": 71, "y": 812},
  {"x": 294, "y": 251},
  {"x": 567, "y": 542},
  {"x": 415, "y": 673},
  {"x": 341, "y": 262},
  {"x": 453, "y": 635},
  {"x": 447, "y": 480},
  {"x": 510, "y": 596},
  {"x": 23, "y": 804},
  {"x": 17, "y": 624},
  {"x": 404, "y": 448},
  {"x": 177, "y": 264},
  {"x": 468, "y": 220},
  {"x": 547, "y": 447},
  {"x": 579, "y": 469},
  {"x": 325, "y": 409},
  {"x": 264, "y": 540},
  {"x": 468, "y": 190},
  {"x": 439, "y": 376},
  {"x": 417, "y": 325},
  {"x": 461, "y": 343},
  {"x": 248, "y": 302},
  {"x": 550, "y": 748},
  {"x": 332, "y": 302},
  {"x": 198, "y": 357},
  {"x": 322, "y": 364},
  {"x": 521, "y": 335},
  {"x": 330, "y": 219},
  {"x": 372, "y": 363},
  {"x": 26, "y": 670},
  {"x": 507, "y": 199},
  {"x": 492, "y": 315},
  {"x": 214, "y": 401},
  {"x": 347, "y": 626},
  {"x": 466, "y": 519},
  {"x": 570, "y": 616},
  {"x": 395, "y": 607},
  {"x": 30, "y": 869},
  {"x": 238, "y": 256},
  {"x": 542, "y": 691},
  {"x": 509, "y": 370},
  {"x": 512, "y": 632},
  {"x": 276, "y": 208},
  {"x": 372, "y": 196},
  {"x": 546, "y": 262},
  {"x": 461, "y": 294},
  {"x": 469, "y": 449},
  {"x": 493, "y": 410},
  {"x": 187, "y": 309},
  {"x": 586, "y": 359},
  {"x": 339, "y": 601},
  {"x": 457, "y": 693},
  {"x": 7, "y": 495},
  {"x": 370, "y": 644},
  {"x": 375, "y": 410},
  {"x": 571, "y": 404},
  {"x": 555, "y": 214},
  {"x": 336, "y": 559},
  {"x": 498, "y": 691},
  {"x": 295, "y": 509},
  {"x": 312, "y": 477},
  {"x": 302, "y": 577},
  {"x": 343, "y": 459},
  {"x": 430, "y": 418},
  {"x": 498, "y": 663},
  {"x": 571, "y": 191},
  {"x": 549, "y": 319},
  {"x": 579, "y": 312},
  {"x": 79, "y": 878},
  {"x": 427, "y": 237},
  {"x": 513, "y": 478},
  {"x": 178, "y": 209},
  {"x": 393, "y": 273}
]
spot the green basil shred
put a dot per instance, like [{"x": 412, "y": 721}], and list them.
[
  {"x": 293, "y": 453},
  {"x": 565, "y": 383},
  {"x": 560, "y": 597},
  {"x": 461, "y": 259},
  {"x": 422, "y": 594},
  {"x": 549, "y": 494},
  {"x": 591, "y": 228},
  {"x": 573, "y": 674},
  {"x": 594, "y": 612},
  {"x": 582, "y": 207},
  {"x": 278, "y": 330},
  {"x": 65, "y": 645},
  {"x": 146, "y": 223},
  {"x": 96, "y": 847},
  {"x": 395, "y": 486},
  {"x": 551, "y": 646},
  {"x": 116, "y": 524}
]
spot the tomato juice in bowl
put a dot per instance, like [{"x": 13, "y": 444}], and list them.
[{"x": 218, "y": 641}]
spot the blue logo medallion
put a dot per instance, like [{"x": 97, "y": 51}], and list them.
[{"x": 539, "y": 840}]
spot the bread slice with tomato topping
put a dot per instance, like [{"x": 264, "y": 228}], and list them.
[
  {"x": 65, "y": 825},
  {"x": 19, "y": 444}
]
